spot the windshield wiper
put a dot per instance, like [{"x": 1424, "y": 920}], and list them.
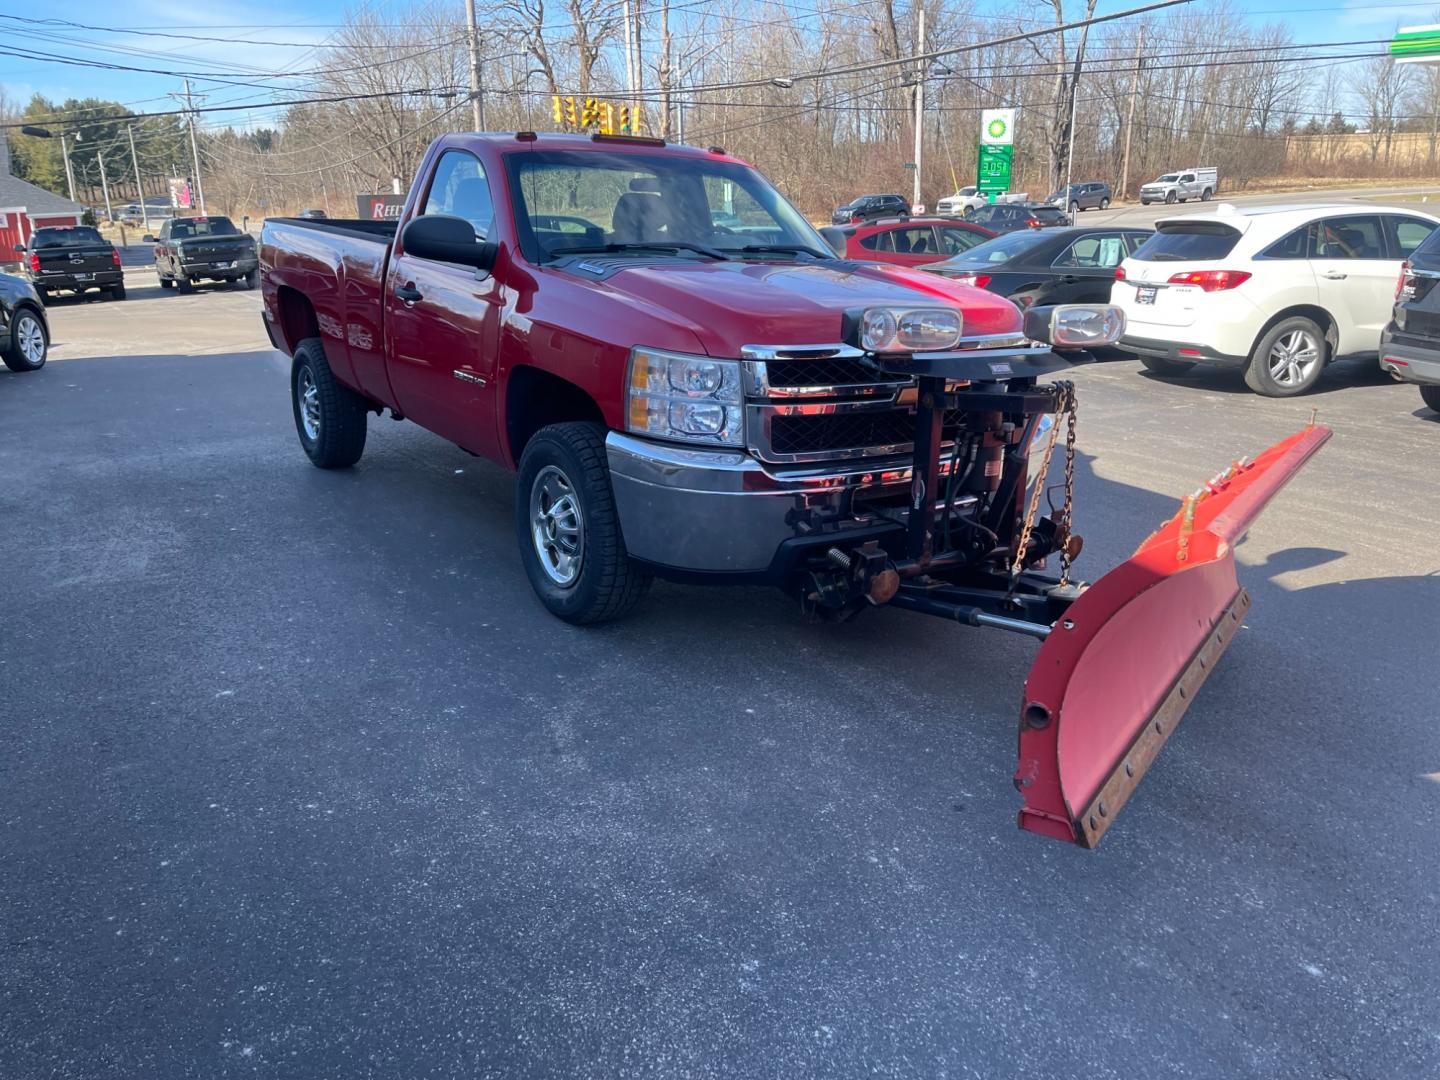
[
  {"x": 640, "y": 245},
  {"x": 780, "y": 249}
]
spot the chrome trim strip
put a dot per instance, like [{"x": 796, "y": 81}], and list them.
[
  {"x": 465, "y": 376},
  {"x": 838, "y": 351}
]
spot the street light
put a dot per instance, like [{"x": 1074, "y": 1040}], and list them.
[{"x": 46, "y": 133}]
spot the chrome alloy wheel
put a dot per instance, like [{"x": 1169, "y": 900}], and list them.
[
  {"x": 309, "y": 395},
  {"x": 30, "y": 338},
  {"x": 1293, "y": 358},
  {"x": 557, "y": 526}
]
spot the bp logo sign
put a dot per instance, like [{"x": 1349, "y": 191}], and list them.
[{"x": 997, "y": 127}]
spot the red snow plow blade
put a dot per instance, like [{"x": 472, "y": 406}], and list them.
[{"x": 1117, "y": 672}]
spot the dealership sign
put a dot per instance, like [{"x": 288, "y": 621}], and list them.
[
  {"x": 1416, "y": 45},
  {"x": 380, "y": 207}
]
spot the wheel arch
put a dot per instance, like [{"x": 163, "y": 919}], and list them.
[
  {"x": 536, "y": 398},
  {"x": 295, "y": 317},
  {"x": 1314, "y": 313}
]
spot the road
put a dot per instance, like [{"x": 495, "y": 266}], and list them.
[{"x": 299, "y": 781}]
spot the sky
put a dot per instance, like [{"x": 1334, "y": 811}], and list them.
[{"x": 305, "y": 24}]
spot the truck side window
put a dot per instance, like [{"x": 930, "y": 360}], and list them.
[{"x": 460, "y": 189}]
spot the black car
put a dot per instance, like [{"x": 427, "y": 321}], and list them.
[
  {"x": 1047, "y": 266},
  {"x": 24, "y": 333},
  {"x": 1008, "y": 217},
  {"x": 868, "y": 207},
  {"x": 191, "y": 249},
  {"x": 312, "y": 215},
  {"x": 72, "y": 259},
  {"x": 1410, "y": 344}
]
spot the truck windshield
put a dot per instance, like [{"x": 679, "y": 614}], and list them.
[
  {"x": 78, "y": 237},
  {"x": 568, "y": 201},
  {"x": 1168, "y": 178},
  {"x": 203, "y": 226}
]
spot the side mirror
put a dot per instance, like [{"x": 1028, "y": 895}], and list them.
[
  {"x": 150, "y": 239},
  {"x": 447, "y": 239},
  {"x": 835, "y": 238},
  {"x": 20, "y": 249}
]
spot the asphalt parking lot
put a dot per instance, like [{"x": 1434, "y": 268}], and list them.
[{"x": 300, "y": 781}]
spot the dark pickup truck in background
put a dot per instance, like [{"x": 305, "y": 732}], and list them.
[
  {"x": 193, "y": 249},
  {"x": 74, "y": 259}
]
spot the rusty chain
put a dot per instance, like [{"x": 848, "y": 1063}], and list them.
[{"x": 1064, "y": 404}]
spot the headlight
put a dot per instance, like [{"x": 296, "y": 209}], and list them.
[
  {"x": 1075, "y": 326},
  {"x": 689, "y": 398},
  {"x": 885, "y": 330}
]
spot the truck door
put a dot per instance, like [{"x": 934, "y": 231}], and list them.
[{"x": 442, "y": 319}]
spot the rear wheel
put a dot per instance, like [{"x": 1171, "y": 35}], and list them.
[
  {"x": 1431, "y": 396},
  {"x": 1206, "y": 195},
  {"x": 167, "y": 283},
  {"x": 1288, "y": 360},
  {"x": 118, "y": 292},
  {"x": 1104, "y": 204},
  {"x": 1161, "y": 366},
  {"x": 29, "y": 344},
  {"x": 330, "y": 418},
  {"x": 569, "y": 530}
]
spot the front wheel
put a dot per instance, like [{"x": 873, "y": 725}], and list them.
[
  {"x": 184, "y": 285},
  {"x": 330, "y": 418},
  {"x": 1161, "y": 366},
  {"x": 1431, "y": 396},
  {"x": 569, "y": 529},
  {"x": 252, "y": 279},
  {"x": 1288, "y": 359},
  {"x": 1170, "y": 198},
  {"x": 29, "y": 344},
  {"x": 1074, "y": 209}
]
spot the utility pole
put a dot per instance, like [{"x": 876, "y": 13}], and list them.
[
  {"x": 194, "y": 149},
  {"x": 919, "y": 103},
  {"x": 104, "y": 185},
  {"x": 1074, "y": 99},
  {"x": 69, "y": 174},
  {"x": 1130, "y": 114},
  {"x": 629, "y": 48},
  {"x": 472, "y": 34},
  {"x": 139, "y": 180}
]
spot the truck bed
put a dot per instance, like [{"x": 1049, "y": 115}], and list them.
[{"x": 338, "y": 266}]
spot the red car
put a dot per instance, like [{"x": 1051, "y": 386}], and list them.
[{"x": 911, "y": 241}]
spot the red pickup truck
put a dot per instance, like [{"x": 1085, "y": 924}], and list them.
[{"x": 689, "y": 382}]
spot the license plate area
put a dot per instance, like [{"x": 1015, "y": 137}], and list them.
[
  {"x": 83, "y": 277},
  {"x": 1145, "y": 294},
  {"x": 221, "y": 265}
]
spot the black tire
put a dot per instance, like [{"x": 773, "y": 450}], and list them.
[
  {"x": 251, "y": 279},
  {"x": 184, "y": 285},
  {"x": 1206, "y": 195},
  {"x": 1431, "y": 396},
  {"x": 25, "y": 322},
  {"x": 335, "y": 437},
  {"x": 607, "y": 583},
  {"x": 1260, "y": 373},
  {"x": 1170, "y": 198},
  {"x": 1144, "y": 202},
  {"x": 1074, "y": 210},
  {"x": 1104, "y": 204},
  {"x": 167, "y": 283},
  {"x": 118, "y": 292},
  {"x": 1161, "y": 366}
]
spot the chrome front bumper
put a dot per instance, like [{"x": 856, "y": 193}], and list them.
[{"x": 725, "y": 512}]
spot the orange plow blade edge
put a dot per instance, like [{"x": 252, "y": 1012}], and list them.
[{"x": 1118, "y": 671}]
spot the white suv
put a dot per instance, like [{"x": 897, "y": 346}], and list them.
[{"x": 1277, "y": 290}]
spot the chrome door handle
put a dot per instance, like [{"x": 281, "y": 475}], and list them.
[{"x": 1334, "y": 275}]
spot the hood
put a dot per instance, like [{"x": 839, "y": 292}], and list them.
[{"x": 732, "y": 304}]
